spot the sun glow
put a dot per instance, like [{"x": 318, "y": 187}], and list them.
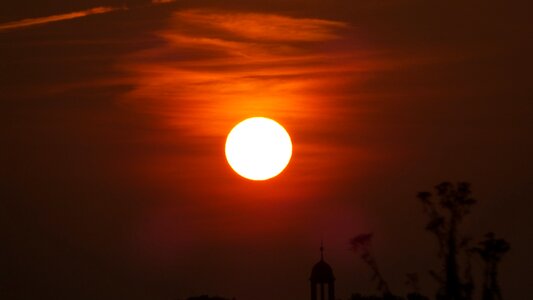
[{"x": 258, "y": 148}]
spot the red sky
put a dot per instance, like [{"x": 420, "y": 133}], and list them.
[{"x": 114, "y": 181}]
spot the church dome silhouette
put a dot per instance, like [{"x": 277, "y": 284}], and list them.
[
  {"x": 322, "y": 280},
  {"x": 322, "y": 272}
]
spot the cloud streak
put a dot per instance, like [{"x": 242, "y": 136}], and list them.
[
  {"x": 235, "y": 65},
  {"x": 57, "y": 18},
  {"x": 68, "y": 16},
  {"x": 216, "y": 68}
]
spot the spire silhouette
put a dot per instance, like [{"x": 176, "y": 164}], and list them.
[{"x": 322, "y": 279}]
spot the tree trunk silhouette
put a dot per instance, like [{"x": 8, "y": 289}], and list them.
[
  {"x": 445, "y": 216},
  {"x": 491, "y": 251}
]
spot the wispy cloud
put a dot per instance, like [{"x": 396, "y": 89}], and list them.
[
  {"x": 57, "y": 18},
  {"x": 263, "y": 27},
  {"x": 68, "y": 16},
  {"x": 227, "y": 65},
  {"x": 216, "y": 68}
]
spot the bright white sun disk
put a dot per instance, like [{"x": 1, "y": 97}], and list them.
[{"x": 258, "y": 148}]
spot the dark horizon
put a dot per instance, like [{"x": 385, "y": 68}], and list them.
[{"x": 114, "y": 116}]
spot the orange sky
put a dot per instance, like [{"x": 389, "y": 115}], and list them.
[
  {"x": 241, "y": 68},
  {"x": 115, "y": 183}
]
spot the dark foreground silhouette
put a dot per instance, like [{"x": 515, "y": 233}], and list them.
[{"x": 446, "y": 209}]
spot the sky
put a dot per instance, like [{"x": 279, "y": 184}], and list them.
[{"x": 114, "y": 114}]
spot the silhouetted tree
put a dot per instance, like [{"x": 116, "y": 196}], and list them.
[
  {"x": 446, "y": 210},
  {"x": 468, "y": 285},
  {"x": 362, "y": 244},
  {"x": 491, "y": 250},
  {"x": 445, "y": 215}
]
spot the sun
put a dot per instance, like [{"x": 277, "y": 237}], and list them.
[{"x": 258, "y": 148}]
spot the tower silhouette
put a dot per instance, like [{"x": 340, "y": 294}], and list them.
[{"x": 322, "y": 278}]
